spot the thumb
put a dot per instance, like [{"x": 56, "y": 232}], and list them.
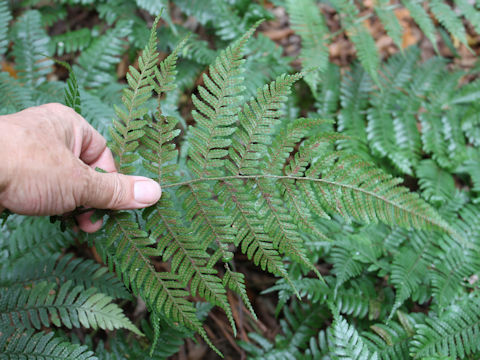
[{"x": 119, "y": 192}]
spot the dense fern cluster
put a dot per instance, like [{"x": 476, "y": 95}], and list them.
[
  {"x": 310, "y": 22},
  {"x": 252, "y": 176},
  {"x": 416, "y": 120}
]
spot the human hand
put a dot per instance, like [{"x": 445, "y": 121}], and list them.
[{"x": 48, "y": 155}]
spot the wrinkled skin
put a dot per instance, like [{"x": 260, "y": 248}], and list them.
[{"x": 48, "y": 155}]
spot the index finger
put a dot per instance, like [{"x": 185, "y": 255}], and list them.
[{"x": 94, "y": 151}]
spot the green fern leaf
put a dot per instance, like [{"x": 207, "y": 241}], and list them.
[
  {"x": 5, "y": 18},
  {"x": 348, "y": 344},
  {"x": 447, "y": 17},
  {"x": 408, "y": 269},
  {"x": 128, "y": 248},
  {"x": 250, "y": 233},
  {"x": 71, "y": 307},
  {"x": 73, "y": 41},
  {"x": 236, "y": 282},
  {"x": 386, "y": 15},
  {"x": 166, "y": 73},
  {"x": 450, "y": 272},
  {"x": 470, "y": 12},
  {"x": 279, "y": 224},
  {"x": 362, "y": 40},
  {"x": 453, "y": 335},
  {"x": 128, "y": 130},
  {"x": 96, "y": 63},
  {"x": 64, "y": 268},
  {"x": 392, "y": 341},
  {"x": 421, "y": 17},
  {"x": 154, "y": 7},
  {"x": 34, "y": 236},
  {"x": 345, "y": 265},
  {"x": 354, "y": 188},
  {"x": 31, "y": 62},
  {"x": 71, "y": 92},
  {"x": 216, "y": 113},
  {"x": 159, "y": 152},
  {"x": 188, "y": 255},
  {"x": 257, "y": 121},
  {"x": 327, "y": 103},
  {"x": 437, "y": 185},
  {"x": 40, "y": 346},
  {"x": 13, "y": 95},
  {"x": 388, "y": 127},
  {"x": 354, "y": 95},
  {"x": 307, "y": 21}
]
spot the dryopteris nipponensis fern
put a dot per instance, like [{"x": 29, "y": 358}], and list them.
[{"x": 243, "y": 184}]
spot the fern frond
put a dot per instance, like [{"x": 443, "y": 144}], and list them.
[
  {"x": 308, "y": 22},
  {"x": 53, "y": 14},
  {"x": 216, "y": 113},
  {"x": 362, "y": 40},
  {"x": 159, "y": 152},
  {"x": 388, "y": 126},
  {"x": 166, "y": 72},
  {"x": 440, "y": 136},
  {"x": 250, "y": 233},
  {"x": 354, "y": 95},
  {"x": 64, "y": 268},
  {"x": 72, "y": 307},
  {"x": 96, "y": 63},
  {"x": 264, "y": 62},
  {"x": 235, "y": 281},
  {"x": 128, "y": 248},
  {"x": 348, "y": 344},
  {"x": 470, "y": 12},
  {"x": 34, "y": 237},
  {"x": 453, "y": 335},
  {"x": 72, "y": 91},
  {"x": 154, "y": 7},
  {"x": 450, "y": 271},
  {"x": 327, "y": 97},
  {"x": 5, "y": 18},
  {"x": 386, "y": 15},
  {"x": 345, "y": 266},
  {"x": 73, "y": 41},
  {"x": 31, "y": 61},
  {"x": 188, "y": 255},
  {"x": 392, "y": 341},
  {"x": 257, "y": 120},
  {"x": 423, "y": 20},
  {"x": 299, "y": 326},
  {"x": 449, "y": 19},
  {"x": 40, "y": 346},
  {"x": 279, "y": 224},
  {"x": 408, "y": 270},
  {"x": 436, "y": 184},
  {"x": 128, "y": 129},
  {"x": 319, "y": 346},
  {"x": 355, "y": 188},
  {"x": 13, "y": 95}
]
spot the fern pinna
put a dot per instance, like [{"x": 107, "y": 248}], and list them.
[{"x": 247, "y": 180}]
